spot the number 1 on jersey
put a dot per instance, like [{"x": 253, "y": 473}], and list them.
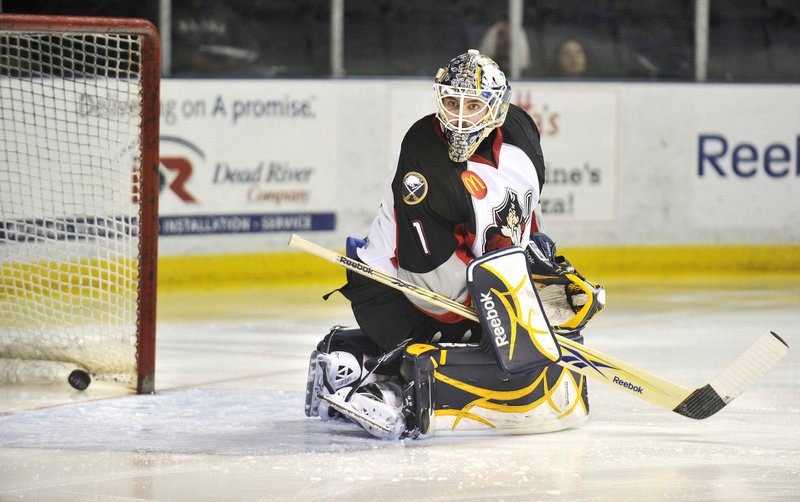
[{"x": 423, "y": 242}]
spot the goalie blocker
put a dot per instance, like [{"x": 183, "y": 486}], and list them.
[{"x": 510, "y": 312}]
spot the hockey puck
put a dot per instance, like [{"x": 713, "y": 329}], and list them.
[{"x": 79, "y": 379}]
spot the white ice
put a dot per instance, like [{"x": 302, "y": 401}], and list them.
[{"x": 227, "y": 421}]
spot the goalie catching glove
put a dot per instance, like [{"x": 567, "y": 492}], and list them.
[{"x": 569, "y": 300}]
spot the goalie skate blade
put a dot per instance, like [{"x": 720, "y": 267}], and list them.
[
  {"x": 382, "y": 431},
  {"x": 753, "y": 364}
]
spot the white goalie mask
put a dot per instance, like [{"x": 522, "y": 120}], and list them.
[{"x": 472, "y": 97}]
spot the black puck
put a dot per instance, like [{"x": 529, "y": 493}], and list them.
[{"x": 79, "y": 379}]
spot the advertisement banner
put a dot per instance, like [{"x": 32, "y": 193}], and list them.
[
  {"x": 245, "y": 163},
  {"x": 747, "y": 168},
  {"x": 246, "y": 157},
  {"x": 579, "y": 128}
]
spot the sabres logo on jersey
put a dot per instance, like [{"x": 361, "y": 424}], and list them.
[{"x": 415, "y": 188}]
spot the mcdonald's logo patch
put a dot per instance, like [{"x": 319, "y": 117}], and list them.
[{"x": 474, "y": 184}]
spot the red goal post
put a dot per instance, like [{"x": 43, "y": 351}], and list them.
[{"x": 79, "y": 184}]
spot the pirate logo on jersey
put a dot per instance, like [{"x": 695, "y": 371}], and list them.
[
  {"x": 510, "y": 223},
  {"x": 415, "y": 188}
]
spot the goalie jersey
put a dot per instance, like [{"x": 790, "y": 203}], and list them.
[{"x": 437, "y": 215}]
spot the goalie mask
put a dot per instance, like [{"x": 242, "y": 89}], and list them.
[{"x": 472, "y": 97}]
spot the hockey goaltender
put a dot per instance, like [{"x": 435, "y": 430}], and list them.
[{"x": 458, "y": 217}]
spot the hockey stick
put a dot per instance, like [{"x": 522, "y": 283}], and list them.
[{"x": 699, "y": 403}]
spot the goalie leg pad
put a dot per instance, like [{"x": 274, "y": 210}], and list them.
[
  {"x": 511, "y": 314},
  {"x": 459, "y": 388}
]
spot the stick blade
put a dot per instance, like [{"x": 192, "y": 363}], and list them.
[{"x": 758, "y": 360}]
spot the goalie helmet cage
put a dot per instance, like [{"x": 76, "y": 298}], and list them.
[{"x": 79, "y": 183}]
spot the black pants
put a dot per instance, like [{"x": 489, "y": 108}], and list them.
[{"x": 388, "y": 318}]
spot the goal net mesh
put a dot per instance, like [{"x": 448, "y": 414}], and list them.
[{"x": 70, "y": 171}]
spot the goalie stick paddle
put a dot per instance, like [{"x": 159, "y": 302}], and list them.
[{"x": 755, "y": 362}]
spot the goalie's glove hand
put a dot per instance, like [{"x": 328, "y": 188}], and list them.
[{"x": 569, "y": 300}]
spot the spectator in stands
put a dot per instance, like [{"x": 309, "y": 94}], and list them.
[
  {"x": 569, "y": 60},
  {"x": 496, "y": 44}
]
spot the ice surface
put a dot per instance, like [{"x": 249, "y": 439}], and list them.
[{"x": 227, "y": 421}]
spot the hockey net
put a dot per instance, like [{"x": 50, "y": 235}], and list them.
[{"x": 79, "y": 101}]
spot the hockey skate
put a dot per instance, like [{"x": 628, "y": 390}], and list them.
[
  {"x": 376, "y": 407},
  {"x": 327, "y": 373}
]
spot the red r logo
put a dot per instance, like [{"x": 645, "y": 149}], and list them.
[{"x": 183, "y": 168}]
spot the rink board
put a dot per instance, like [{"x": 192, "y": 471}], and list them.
[{"x": 597, "y": 262}]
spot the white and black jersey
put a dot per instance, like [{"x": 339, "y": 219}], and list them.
[{"x": 437, "y": 215}]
